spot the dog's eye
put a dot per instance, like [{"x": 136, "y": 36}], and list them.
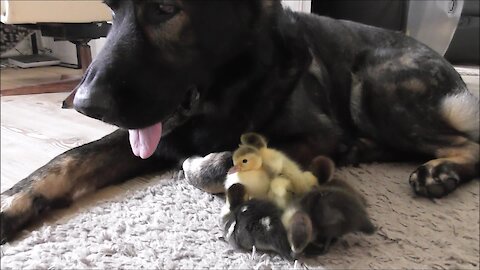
[
  {"x": 244, "y": 161},
  {"x": 162, "y": 9},
  {"x": 160, "y": 12}
]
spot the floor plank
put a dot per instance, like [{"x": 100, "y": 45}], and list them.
[
  {"x": 34, "y": 129},
  {"x": 17, "y": 77}
]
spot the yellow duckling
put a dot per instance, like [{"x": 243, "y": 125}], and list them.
[
  {"x": 281, "y": 191},
  {"x": 247, "y": 179},
  {"x": 278, "y": 164},
  {"x": 250, "y": 172}
]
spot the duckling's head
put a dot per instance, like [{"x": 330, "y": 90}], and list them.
[
  {"x": 253, "y": 139},
  {"x": 247, "y": 158},
  {"x": 323, "y": 168},
  {"x": 299, "y": 231}
]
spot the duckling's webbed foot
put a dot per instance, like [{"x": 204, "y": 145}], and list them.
[{"x": 320, "y": 246}]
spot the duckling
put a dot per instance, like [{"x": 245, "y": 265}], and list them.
[
  {"x": 257, "y": 223},
  {"x": 279, "y": 164},
  {"x": 281, "y": 191},
  {"x": 324, "y": 168},
  {"x": 324, "y": 214},
  {"x": 260, "y": 180},
  {"x": 247, "y": 171}
]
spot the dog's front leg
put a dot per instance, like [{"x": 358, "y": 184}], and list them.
[
  {"x": 208, "y": 173},
  {"x": 68, "y": 176}
]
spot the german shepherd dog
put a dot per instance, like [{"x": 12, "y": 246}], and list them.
[{"x": 198, "y": 74}]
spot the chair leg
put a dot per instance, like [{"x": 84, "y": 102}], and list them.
[{"x": 84, "y": 54}]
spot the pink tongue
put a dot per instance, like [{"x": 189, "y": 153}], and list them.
[{"x": 144, "y": 141}]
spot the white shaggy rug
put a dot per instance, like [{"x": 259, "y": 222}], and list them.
[{"x": 168, "y": 224}]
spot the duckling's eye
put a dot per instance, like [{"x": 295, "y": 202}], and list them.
[{"x": 244, "y": 161}]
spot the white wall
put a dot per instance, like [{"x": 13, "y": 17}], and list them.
[{"x": 298, "y": 5}]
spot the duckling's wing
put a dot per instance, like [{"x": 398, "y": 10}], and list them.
[{"x": 329, "y": 216}]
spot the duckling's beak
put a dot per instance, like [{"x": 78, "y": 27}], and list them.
[{"x": 234, "y": 169}]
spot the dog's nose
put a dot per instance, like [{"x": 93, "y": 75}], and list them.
[
  {"x": 92, "y": 102},
  {"x": 93, "y": 97}
]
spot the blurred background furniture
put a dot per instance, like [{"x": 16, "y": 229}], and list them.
[
  {"x": 77, "y": 21},
  {"x": 450, "y": 27},
  {"x": 464, "y": 48}
]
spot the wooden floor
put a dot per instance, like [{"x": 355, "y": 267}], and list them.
[
  {"x": 18, "y": 77},
  {"x": 34, "y": 128}
]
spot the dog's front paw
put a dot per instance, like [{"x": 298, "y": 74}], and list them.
[
  {"x": 208, "y": 173},
  {"x": 8, "y": 228},
  {"x": 16, "y": 210},
  {"x": 434, "y": 180}
]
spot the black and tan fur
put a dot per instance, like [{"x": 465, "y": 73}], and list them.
[{"x": 212, "y": 70}]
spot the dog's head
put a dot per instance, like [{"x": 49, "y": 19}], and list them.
[{"x": 158, "y": 57}]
